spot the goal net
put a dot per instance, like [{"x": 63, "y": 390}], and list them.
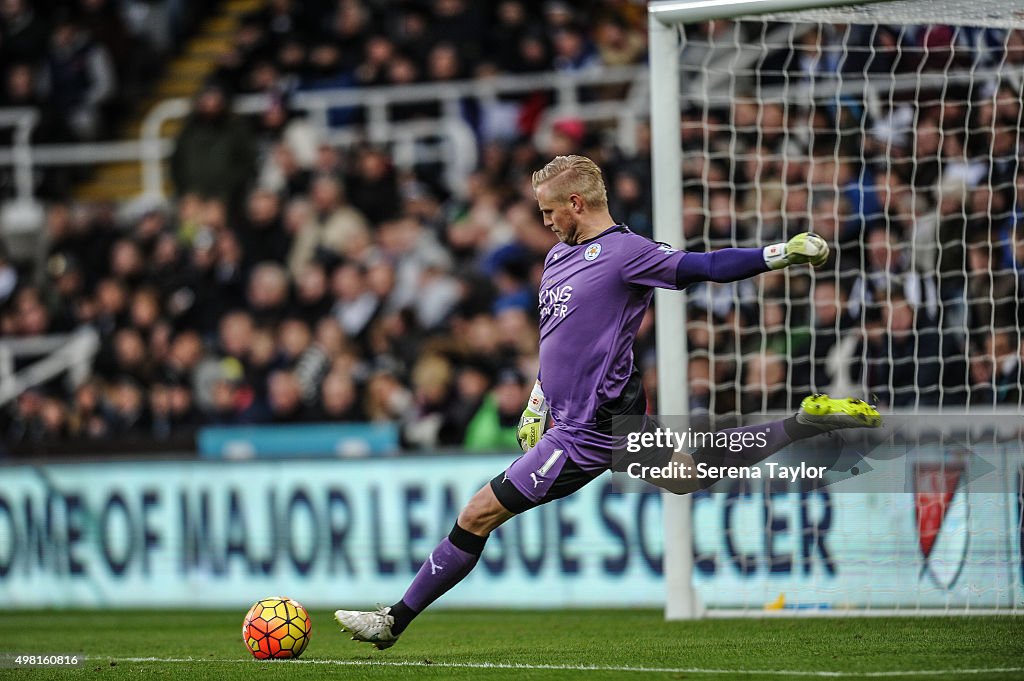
[{"x": 899, "y": 141}]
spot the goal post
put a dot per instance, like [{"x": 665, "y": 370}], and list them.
[
  {"x": 670, "y": 330},
  {"x": 667, "y": 193},
  {"x": 809, "y": 114}
]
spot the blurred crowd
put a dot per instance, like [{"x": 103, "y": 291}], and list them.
[
  {"x": 294, "y": 281},
  {"x": 81, "y": 63},
  {"x": 291, "y": 280},
  {"x": 317, "y": 44}
]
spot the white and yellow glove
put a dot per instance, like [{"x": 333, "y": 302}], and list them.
[
  {"x": 533, "y": 421},
  {"x": 803, "y": 249}
]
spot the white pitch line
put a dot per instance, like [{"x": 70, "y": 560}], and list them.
[{"x": 588, "y": 668}]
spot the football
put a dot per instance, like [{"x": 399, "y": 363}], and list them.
[{"x": 276, "y": 628}]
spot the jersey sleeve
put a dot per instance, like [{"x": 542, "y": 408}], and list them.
[
  {"x": 721, "y": 266},
  {"x": 649, "y": 263}
]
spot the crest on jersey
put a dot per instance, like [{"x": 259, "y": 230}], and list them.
[{"x": 593, "y": 250}]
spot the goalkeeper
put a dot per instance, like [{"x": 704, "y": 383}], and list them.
[{"x": 595, "y": 288}]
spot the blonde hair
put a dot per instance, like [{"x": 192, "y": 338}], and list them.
[{"x": 574, "y": 175}]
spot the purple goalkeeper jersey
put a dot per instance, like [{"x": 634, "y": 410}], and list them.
[{"x": 592, "y": 299}]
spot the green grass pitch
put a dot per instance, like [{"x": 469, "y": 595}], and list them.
[{"x": 584, "y": 644}]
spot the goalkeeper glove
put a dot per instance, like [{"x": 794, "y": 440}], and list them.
[
  {"x": 533, "y": 421},
  {"x": 803, "y": 249}
]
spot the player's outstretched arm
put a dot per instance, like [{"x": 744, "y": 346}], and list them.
[{"x": 733, "y": 264}]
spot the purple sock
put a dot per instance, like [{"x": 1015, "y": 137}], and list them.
[
  {"x": 775, "y": 436},
  {"x": 444, "y": 568},
  {"x": 447, "y": 565}
]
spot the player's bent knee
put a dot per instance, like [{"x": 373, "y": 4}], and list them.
[{"x": 483, "y": 513}]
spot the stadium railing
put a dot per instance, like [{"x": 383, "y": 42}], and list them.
[
  {"x": 71, "y": 353},
  {"x": 150, "y": 149}
]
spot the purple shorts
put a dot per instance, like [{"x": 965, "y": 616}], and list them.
[{"x": 549, "y": 471}]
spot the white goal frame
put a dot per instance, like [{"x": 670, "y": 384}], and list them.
[
  {"x": 681, "y": 600},
  {"x": 664, "y": 18}
]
